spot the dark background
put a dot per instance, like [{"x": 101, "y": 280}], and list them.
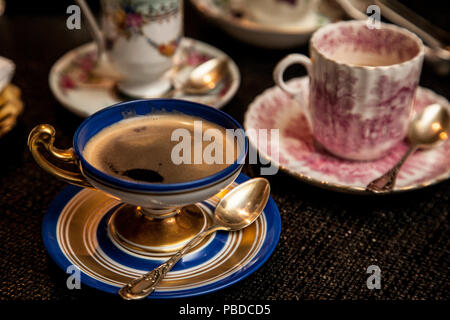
[{"x": 328, "y": 239}]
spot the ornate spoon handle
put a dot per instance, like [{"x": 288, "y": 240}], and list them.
[
  {"x": 387, "y": 181},
  {"x": 141, "y": 287}
]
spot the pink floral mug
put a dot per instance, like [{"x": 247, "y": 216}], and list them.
[{"x": 362, "y": 86}]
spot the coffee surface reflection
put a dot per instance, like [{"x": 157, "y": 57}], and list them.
[{"x": 145, "y": 149}]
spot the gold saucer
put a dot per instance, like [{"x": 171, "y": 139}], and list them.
[{"x": 11, "y": 106}]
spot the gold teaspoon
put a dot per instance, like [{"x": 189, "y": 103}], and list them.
[
  {"x": 237, "y": 210},
  {"x": 204, "y": 78},
  {"x": 426, "y": 129}
]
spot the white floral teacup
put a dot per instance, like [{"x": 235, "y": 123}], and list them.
[
  {"x": 362, "y": 85},
  {"x": 139, "y": 38}
]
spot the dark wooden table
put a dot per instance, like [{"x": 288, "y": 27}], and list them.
[{"x": 328, "y": 240}]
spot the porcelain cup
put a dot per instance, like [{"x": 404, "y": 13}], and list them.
[
  {"x": 158, "y": 198},
  {"x": 138, "y": 39},
  {"x": 153, "y": 217},
  {"x": 362, "y": 86}
]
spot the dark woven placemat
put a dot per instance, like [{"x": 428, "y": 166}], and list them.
[{"x": 328, "y": 240}]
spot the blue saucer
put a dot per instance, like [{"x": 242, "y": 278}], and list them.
[{"x": 75, "y": 233}]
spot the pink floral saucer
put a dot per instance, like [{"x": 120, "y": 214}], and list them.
[
  {"x": 302, "y": 158},
  {"x": 83, "y": 93}
]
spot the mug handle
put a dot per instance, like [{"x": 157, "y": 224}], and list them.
[
  {"x": 286, "y": 62},
  {"x": 53, "y": 160}
]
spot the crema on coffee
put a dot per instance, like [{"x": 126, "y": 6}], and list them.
[{"x": 141, "y": 149}]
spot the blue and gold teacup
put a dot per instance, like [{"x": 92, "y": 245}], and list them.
[{"x": 153, "y": 217}]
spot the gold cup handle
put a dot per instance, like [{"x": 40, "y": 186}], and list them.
[{"x": 61, "y": 163}]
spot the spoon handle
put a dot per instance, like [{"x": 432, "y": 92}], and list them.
[
  {"x": 141, "y": 287},
  {"x": 387, "y": 181}
]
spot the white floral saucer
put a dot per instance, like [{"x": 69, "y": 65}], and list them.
[
  {"x": 77, "y": 89},
  {"x": 302, "y": 158},
  {"x": 241, "y": 26}
]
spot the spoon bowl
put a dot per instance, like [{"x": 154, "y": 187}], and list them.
[
  {"x": 242, "y": 205},
  {"x": 429, "y": 126},
  {"x": 206, "y": 76}
]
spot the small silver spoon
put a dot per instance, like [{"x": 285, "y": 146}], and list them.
[
  {"x": 426, "y": 129},
  {"x": 204, "y": 78},
  {"x": 237, "y": 210}
]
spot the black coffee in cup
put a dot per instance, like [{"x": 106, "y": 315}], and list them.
[{"x": 149, "y": 149}]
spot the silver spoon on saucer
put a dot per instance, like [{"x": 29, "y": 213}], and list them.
[
  {"x": 204, "y": 78},
  {"x": 238, "y": 209},
  {"x": 428, "y": 127}
]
